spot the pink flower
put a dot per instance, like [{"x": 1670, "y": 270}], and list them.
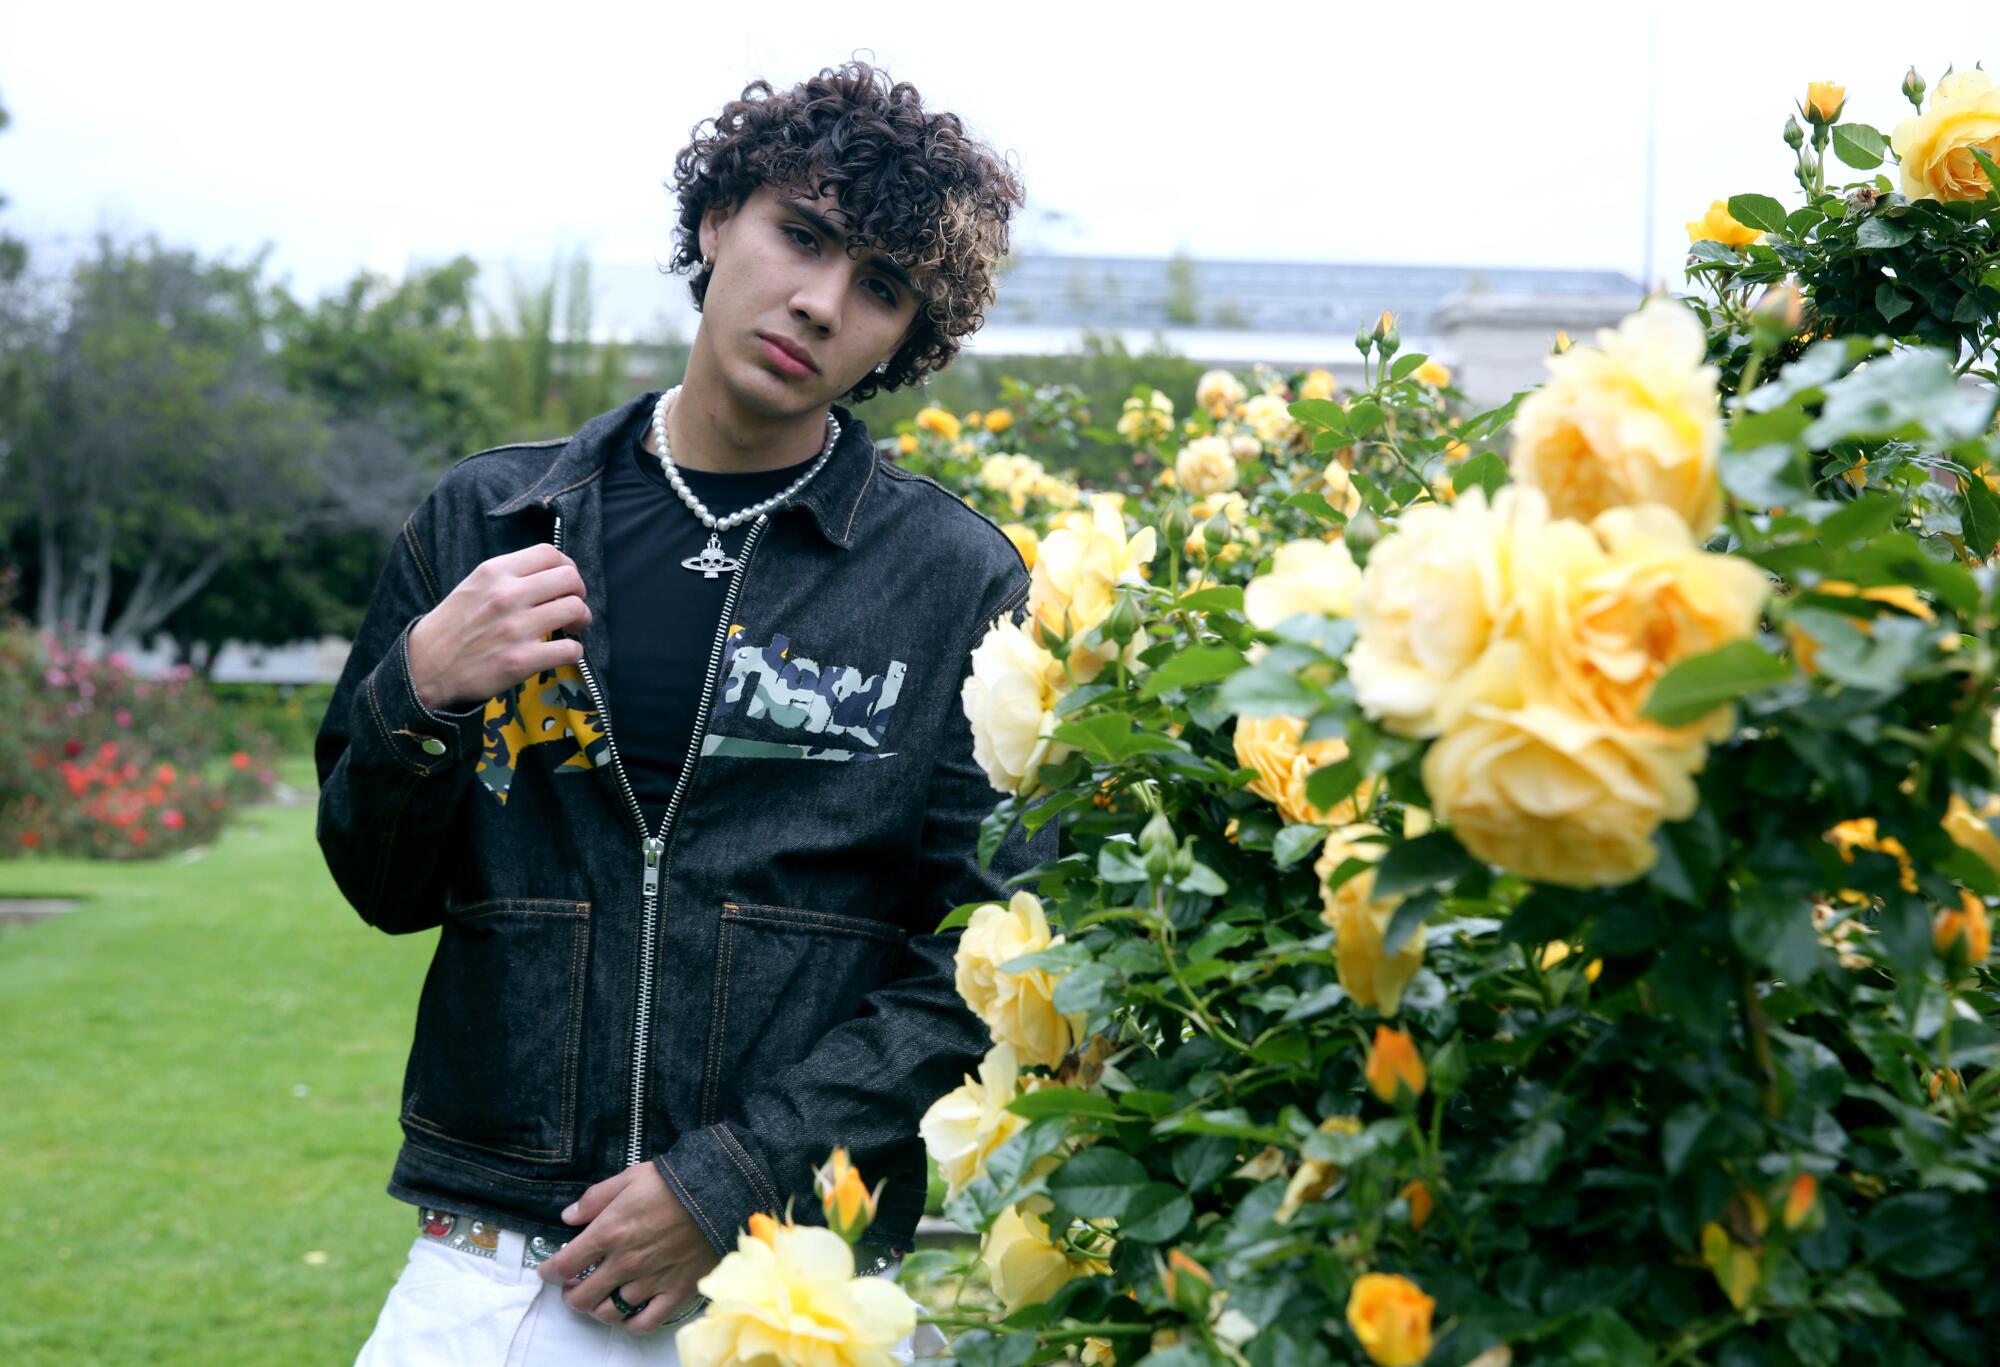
[
  {"x": 172, "y": 819},
  {"x": 124, "y": 716},
  {"x": 117, "y": 660},
  {"x": 55, "y": 678}
]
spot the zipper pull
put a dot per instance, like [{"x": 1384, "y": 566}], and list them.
[{"x": 655, "y": 847}]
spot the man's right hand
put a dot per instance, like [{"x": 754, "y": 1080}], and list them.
[{"x": 488, "y": 634}]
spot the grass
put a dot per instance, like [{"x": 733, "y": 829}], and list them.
[
  {"x": 198, "y": 1106},
  {"x": 201, "y": 1085}
]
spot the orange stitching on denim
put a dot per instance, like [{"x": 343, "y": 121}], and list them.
[
  {"x": 714, "y": 1235},
  {"x": 733, "y": 1146},
  {"x": 718, "y": 1017},
  {"x": 810, "y": 920},
  {"x": 422, "y": 561}
]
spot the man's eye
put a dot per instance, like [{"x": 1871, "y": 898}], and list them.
[
  {"x": 800, "y": 236},
  {"x": 886, "y": 291}
]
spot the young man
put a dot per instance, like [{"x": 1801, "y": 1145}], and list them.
[{"x": 661, "y": 725}]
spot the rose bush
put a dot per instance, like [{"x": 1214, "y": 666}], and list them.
[{"x": 1531, "y": 902}]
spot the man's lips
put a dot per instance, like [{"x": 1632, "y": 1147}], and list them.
[{"x": 788, "y": 350}]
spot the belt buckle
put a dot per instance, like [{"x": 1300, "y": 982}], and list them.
[
  {"x": 481, "y": 1238},
  {"x": 478, "y": 1237}
]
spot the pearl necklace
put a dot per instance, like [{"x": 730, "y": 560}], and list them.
[{"x": 712, "y": 562}]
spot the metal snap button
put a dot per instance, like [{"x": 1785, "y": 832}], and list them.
[{"x": 433, "y": 746}]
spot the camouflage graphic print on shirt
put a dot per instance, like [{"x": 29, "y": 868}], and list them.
[
  {"x": 835, "y": 702},
  {"x": 551, "y": 708}
]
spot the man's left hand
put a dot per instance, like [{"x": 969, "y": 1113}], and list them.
[{"x": 645, "y": 1245}]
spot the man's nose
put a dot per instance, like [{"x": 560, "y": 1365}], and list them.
[{"x": 816, "y": 302}]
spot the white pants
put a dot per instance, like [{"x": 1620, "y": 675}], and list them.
[{"x": 451, "y": 1309}]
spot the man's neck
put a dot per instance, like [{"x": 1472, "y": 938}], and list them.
[{"x": 707, "y": 432}]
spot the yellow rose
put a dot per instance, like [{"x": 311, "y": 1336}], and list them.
[
  {"x": 1436, "y": 593},
  {"x": 1360, "y": 921},
  {"x": 937, "y": 420},
  {"x": 1391, "y": 1319},
  {"x": 1019, "y": 1008},
  {"x": 1073, "y": 585},
  {"x": 999, "y": 420},
  {"x": 1862, "y": 833},
  {"x": 1219, "y": 392},
  {"x": 1631, "y": 420},
  {"x": 1270, "y": 417},
  {"x": 1824, "y": 101},
  {"x": 1243, "y": 446},
  {"x": 1009, "y": 474},
  {"x": 974, "y": 418},
  {"x": 1612, "y": 609},
  {"x": 791, "y": 1296},
  {"x": 1315, "y": 1177},
  {"x": 1318, "y": 384},
  {"x": 1308, "y": 576},
  {"x": 1026, "y": 1266},
  {"x": 1144, "y": 420},
  {"x": 1552, "y": 796},
  {"x": 907, "y": 442},
  {"x": 1056, "y": 492},
  {"x": 1394, "y": 1066},
  {"x": 1205, "y": 466},
  {"x": 1433, "y": 373},
  {"x": 1010, "y": 698},
  {"x": 1166, "y": 479},
  {"x": 1935, "y": 147},
  {"x": 963, "y": 1127},
  {"x": 1340, "y": 490},
  {"x": 1555, "y": 951},
  {"x": 1270, "y": 745},
  {"x": 1973, "y": 829},
  {"x": 1966, "y": 924},
  {"x": 1024, "y": 540}
]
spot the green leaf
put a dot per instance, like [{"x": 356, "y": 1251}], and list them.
[
  {"x": 1055, "y": 959},
  {"x": 1112, "y": 737},
  {"x": 1155, "y": 1214},
  {"x": 1296, "y": 842},
  {"x": 1695, "y": 687},
  {"x": 1775, "y": 928},
  {"x": 1987, "y": 164},
  {"x": 1767, "y": 477},
  {"x": 1425, "y": 862},
  {"x": 1530, "y": 1159},
  {"x": 1118, "y": 862},
  {"x": 958, "y": 916},
  {"x": 1982, "y": 515},
  {"x": 1857, "y": 1292},
  {"x": 1316, "y": 504},
  {"x": 1485, "y": 471},
  {"x": 1859, "y": 145},
  {"x": 1191, "y": 668},
  {"x": 1758, "y": 211},
  {"x": 1220, "y": 598},
  {"x": 1332, "y": 784},
  {"x": 1406, "y": 365},
  {"x": 1883, "y": 234},
  {"x": 1891, "y": 302},
  {"x": 1064, "y": 1101},
  {"x": 1098, "y": 1181},
  {"x": 1407, "y": 918},
  {"x": 1319, "y": 413},
  {"x": 1919, "y": 1234}
]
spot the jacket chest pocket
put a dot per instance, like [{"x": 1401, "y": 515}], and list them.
[
  {"x": 498, "y": 1027},
  {"x": 783, "y": 978}
]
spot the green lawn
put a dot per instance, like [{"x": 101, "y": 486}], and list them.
[
  {"x": 198, "y": 1099},
  {"x": 198, "y": 1096}
]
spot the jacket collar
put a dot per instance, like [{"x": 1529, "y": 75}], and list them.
[{"x": 833, "y": 496}]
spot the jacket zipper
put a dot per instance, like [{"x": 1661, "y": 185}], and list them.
[{"x": 653, "y": 847}]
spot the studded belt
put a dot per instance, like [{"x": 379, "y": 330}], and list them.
[{"x": 481, "y": 1239}]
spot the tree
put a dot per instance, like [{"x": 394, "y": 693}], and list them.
[{"x": 548, "y": 380}]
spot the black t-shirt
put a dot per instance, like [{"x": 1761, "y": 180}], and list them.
[{"x": 663, "y": 616}]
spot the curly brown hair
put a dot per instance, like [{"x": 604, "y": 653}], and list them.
[{"x": 910, "y": 184}]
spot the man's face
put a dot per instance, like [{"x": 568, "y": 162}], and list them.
[{"x": 783, "y": 280}]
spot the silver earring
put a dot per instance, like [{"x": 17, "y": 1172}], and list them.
[{"x": 882, "y": 369}]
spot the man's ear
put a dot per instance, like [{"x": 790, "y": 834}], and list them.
[{"x": 711, "y": 226}]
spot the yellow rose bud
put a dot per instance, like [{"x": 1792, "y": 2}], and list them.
[
  {"x": 1315, "y": 1177},
  {"x": 974, "y": 418},
  {"x": 1391, "y": 1319},
  {"x": 937, "y": 420},
  {"x": 1800, "y": 1198},
  {"x": 907, "y": 442},
  {"x": 849, "y": 1205},
  {"x": 999, "y": 420},
  {"x": 1714, "y": 226},
  {"x": 1395, "y": 1070},
  {"x": 1967, "y": 926},
  {"x": 1563, "y": 343},
  {"x": 1097, "y": 1352},
  {"x": 1824, "y": 101},
  {"x": 1945, "y": 1080},
  {"x": 1420, "y": 1202}
]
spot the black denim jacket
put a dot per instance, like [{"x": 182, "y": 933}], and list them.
[{"x": 764, "y": 983}]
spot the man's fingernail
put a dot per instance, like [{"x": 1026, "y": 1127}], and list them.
[{"x": 569, "y": 1215}]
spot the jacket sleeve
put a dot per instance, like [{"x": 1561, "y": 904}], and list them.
[
  {"x": 391, "y": 770},
  {"x": 868, "y": 1081}
]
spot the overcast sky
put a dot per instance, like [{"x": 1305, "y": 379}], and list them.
[{"x": 1478, "y": 134}]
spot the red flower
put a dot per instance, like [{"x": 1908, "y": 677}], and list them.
[
  {"x": 138, "y": 835},
  {"x": 240, "y": 760},
  {"x": 72, "y": 747},
  {"x": 108, "y": 751},
  {"x": 165, "y": 773},
  {"x": 172, "y": 819},
  {"x": 31, "y": 838}
]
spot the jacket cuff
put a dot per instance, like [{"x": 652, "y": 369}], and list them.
[
  {"x": 422, "y": 740},
  {"x": 719, "y": 1181}
]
